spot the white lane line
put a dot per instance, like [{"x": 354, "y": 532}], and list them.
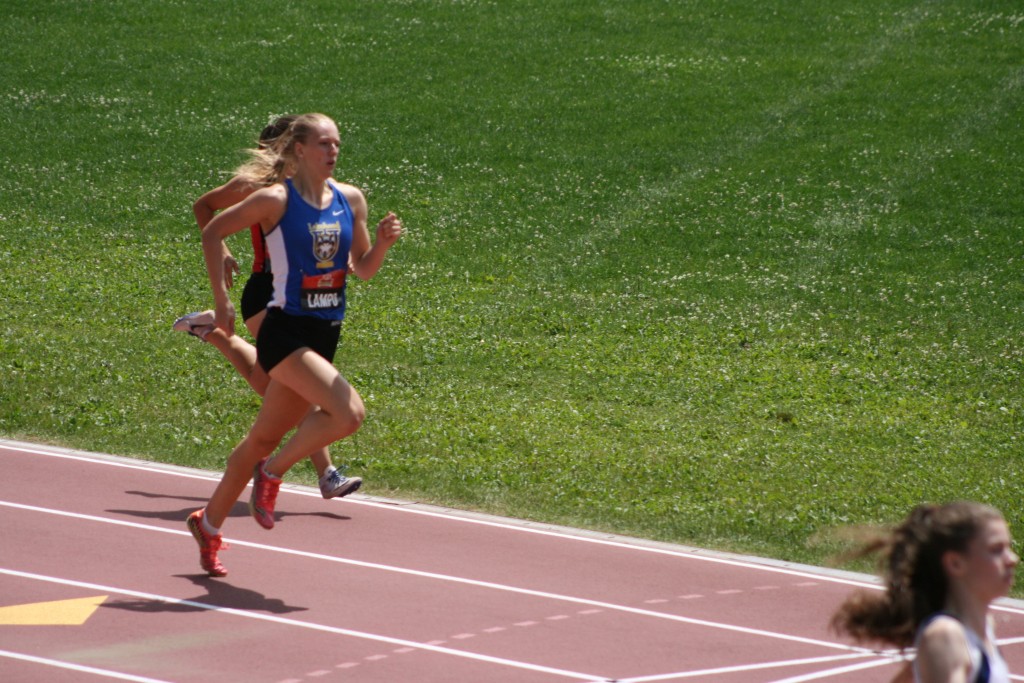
[
  {"x": 1010, "y": 605},
  {"x": 106, "y": 673},
  {"x": 830, "y": 673},
  {"x": 460, "y": 580},
  {"x": 680, "y": 675},
  {"x": 113, "y": 461},
  {"x": 763, "y": 564},
  {"x": 284, "y": 621}
]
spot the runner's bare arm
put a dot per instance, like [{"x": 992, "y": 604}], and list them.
[
  {"x": 265, "y": 207},
  {"x": 218, "y": 199}
]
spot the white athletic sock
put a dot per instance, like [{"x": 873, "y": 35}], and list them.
[{"x": 212, "y": 530}]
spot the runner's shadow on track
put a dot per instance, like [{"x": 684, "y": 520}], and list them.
[
  {"x": 218, "y": 594},
  {"x": 240, "y": 509}
]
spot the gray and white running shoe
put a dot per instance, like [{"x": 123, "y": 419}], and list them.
[
  {"x": 198, "y": 324},
  {"x": 334, "y": 484}
]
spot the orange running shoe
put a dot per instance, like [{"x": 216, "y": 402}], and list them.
[
  {"x": 264, "y": 495},
  {"x": 209, "y": 544}
]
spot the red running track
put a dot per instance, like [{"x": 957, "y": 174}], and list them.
[{"x": 369, "y": 590}]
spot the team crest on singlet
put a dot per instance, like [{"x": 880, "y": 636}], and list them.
[{"x": 326, "y": 238}]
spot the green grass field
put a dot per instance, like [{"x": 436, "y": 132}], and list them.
[{"x": 732, "y": 274}]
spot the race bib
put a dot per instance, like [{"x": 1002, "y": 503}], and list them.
[{"x": 323, "y": 292}]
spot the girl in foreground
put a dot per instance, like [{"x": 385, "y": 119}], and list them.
[
  {"x": 944, "y": 566},
  {"x": 316, "y": 231}
]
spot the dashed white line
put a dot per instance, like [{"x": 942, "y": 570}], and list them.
[{"x": 284, "y": 621}]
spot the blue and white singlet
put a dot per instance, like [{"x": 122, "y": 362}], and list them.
[
  {"x": 309, "y": 249},
  {"x": 986, "y": 667}
]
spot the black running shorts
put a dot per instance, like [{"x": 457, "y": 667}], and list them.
[
  {"x": 282, "y": 334},
  {"x": 256, "y": 294}
]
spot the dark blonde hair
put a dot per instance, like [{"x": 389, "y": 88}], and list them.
[
  {"x": 916, "y": 584},
  {"x": 270, "y": 163},
  {"x": 275, "y": 129}
]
